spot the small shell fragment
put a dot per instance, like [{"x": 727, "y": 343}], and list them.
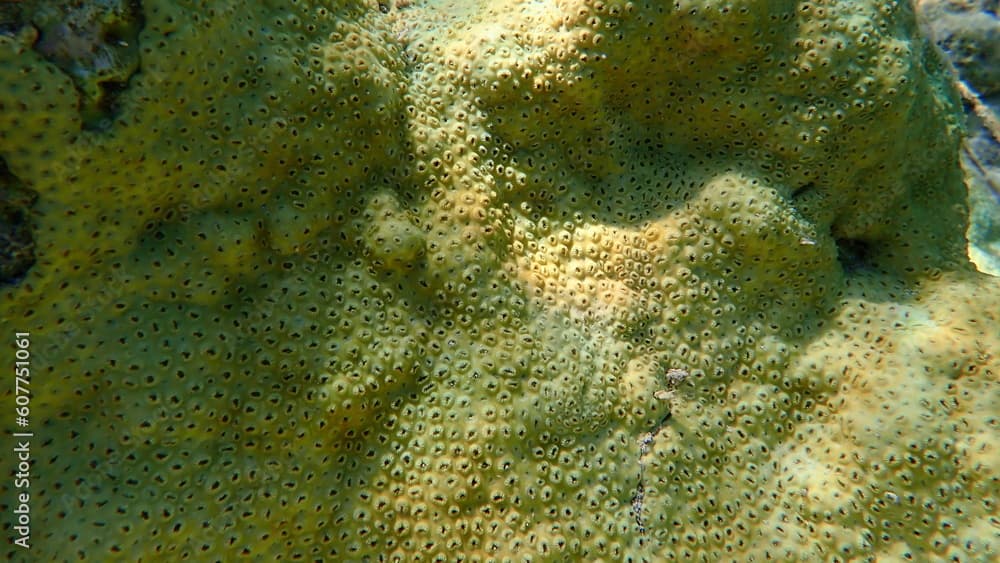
[{"x": 676, "y": 376}]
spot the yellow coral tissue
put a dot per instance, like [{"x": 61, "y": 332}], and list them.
[{"x": 489, "y": 281}]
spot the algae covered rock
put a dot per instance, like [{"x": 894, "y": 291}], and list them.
[
  {"x": 969, "y": 34},
  {"x": 94, "y": 43},
  {"x": 504, "y": 281}
]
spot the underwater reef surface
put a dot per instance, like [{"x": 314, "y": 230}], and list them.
[
  {"x": 968, "y": 31},
  {"x": 498, "y": 280}
]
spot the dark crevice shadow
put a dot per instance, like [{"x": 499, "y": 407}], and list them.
[{"x": 17, "y": 242}]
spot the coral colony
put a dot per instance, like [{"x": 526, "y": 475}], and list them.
[{"x": 502, "y": 280}]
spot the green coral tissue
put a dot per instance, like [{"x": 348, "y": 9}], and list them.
[{"x": 492, "y": 280}]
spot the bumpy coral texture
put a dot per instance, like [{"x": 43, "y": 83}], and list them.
[{"x": 506, "y": 281}]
